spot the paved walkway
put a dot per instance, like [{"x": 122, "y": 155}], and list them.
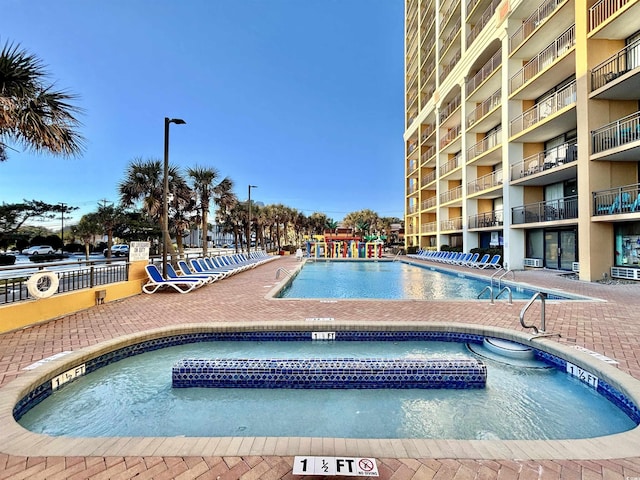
[{"x": 609, "y": 327}]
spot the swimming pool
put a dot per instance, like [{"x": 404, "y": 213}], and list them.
[
  {"x": 391, "y": 280},
  {"x": 133, "y": 396}
]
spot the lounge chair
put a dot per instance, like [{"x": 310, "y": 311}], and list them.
[
  {"x": 156, "y": 282},
  {"x": 472, "y": 259},
  {"x": 186, "y": 270},
  {"x": 464, "y": 259},
  {"x": 171, "y": 273},
  {"x": 493, "y": 263},
  {"x": 485, "y": 259}
]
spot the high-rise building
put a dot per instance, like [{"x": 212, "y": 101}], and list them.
[{"x": 523, "y": 131}]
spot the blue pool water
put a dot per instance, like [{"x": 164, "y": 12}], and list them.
[
  {"x": 386, "y": 280},
  {"x": 134, "y": 397}
]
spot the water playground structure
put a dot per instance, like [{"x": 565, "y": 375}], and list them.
[{"x": 321, "y": 246}]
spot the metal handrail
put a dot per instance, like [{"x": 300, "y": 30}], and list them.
[
  {"x": 506, "y": 289},
  {"x": 282, "y": 269},
  {"x": 542, "y": 298},
  {"x": 493, "y": 275},
  {"x": 504, "y": 275},
  {"x": 490, "y": 288}
]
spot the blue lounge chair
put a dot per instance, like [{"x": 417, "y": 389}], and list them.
[
  {"x": 171, "y": 273},
  {"x": 186, "y": 270},
  {"x": 472, "y": 259},
  {"x": 485, "y": 258},
  {"x": 493, "y": 263},
  {"x": 156, "y": 282}
]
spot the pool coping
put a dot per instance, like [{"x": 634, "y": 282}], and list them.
[{"x": 16, "y": 440}]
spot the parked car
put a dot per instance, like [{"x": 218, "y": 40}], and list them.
[
  {"x": 119, "y": 250},
  {"x": 38, "y": 250}
]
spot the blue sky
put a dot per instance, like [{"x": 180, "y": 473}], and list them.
[{"x": 303, "y": 98}]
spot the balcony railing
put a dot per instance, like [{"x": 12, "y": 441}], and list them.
[
  {"x": 450, "y": 136},
  {"x": 448, "y": 42},
  {"x": 451, "y": 164},
  {"x": 482, "y": 22},
  {"x": 622, "y": 62},
  {"x": 484, "y": 145},
  {"x": 618, "y": 133},
  {"x": 485, "y": 72},
  {"x": 550, "y": 105},
  {"x": 429, "y": 227},
  {"x": 486, "y": 219},
  {"x": 412, "y": 165},
  {"x": 428, "y": 155},
  {"x": 485, "y": 107},
  {"x": 451, "y": 195},
  {"x": 451, "y": 224},
  {"x": 428, "y": 178},
  {"x": 449, "y": 12},
  {"x": 446, "y": 69},
  {"x": 545, "y": 160},
  {"x": 549, "y": 211},
  {"x": 427, "y": 130},
  {"x": 545, "y": 58},
  {"x": 450, "y": 108},
  {"x": 541, "y": 13},
  {"x": 625, "y": 199},
  {"x": 493, "y": 179},
  {"x": 604, "y": 9},
  {"x": 412, "y": 209},
  {"x": 429, "y": 202}
]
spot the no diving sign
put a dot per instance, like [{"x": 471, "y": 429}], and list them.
[{"x": 344, "y": 466}]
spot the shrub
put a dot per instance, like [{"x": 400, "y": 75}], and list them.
[{"x": 7, "y": 259}]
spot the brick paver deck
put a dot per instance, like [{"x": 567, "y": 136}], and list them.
[{"x": 610, "y": 327}]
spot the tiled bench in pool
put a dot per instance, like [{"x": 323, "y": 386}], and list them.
[{"x": 330, "y": 373}]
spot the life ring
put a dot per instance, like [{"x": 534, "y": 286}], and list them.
[{"x": 43, "y": 284}]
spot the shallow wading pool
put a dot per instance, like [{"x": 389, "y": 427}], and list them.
[{"x": 18, "y": 396}]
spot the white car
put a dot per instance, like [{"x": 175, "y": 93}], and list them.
[
  {"x": 38, "y": 250},
  {"x": 119, "y": 250}
]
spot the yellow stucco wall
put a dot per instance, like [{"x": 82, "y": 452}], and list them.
[{"x": 29, "y": 312}]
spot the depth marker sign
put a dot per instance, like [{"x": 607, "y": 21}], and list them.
[{"x": 343, "y": 466}]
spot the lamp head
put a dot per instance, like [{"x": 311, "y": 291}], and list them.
[{"x": 177, "y": 121}]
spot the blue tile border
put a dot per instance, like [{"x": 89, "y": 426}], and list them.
[
  {"x": 44, "y": 390},
  {"x": 332, "y": 373}
]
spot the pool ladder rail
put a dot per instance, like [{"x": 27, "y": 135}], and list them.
[
  {"x": 542, "y": 331},
  {"x": 498, "y": 285},
  {"x": 282, "y": 270}
]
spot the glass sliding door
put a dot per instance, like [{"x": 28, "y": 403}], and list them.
[{"x": 560, "y": 249}]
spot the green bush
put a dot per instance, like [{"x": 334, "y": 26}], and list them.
[
  {"x": 7, "y": 259},
  {"x": 47, "y": 258}
]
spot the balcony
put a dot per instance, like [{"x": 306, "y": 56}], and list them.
[
  {"x": 412, "y": 165},
  {"x": 484, "y": 146},
  {"x": 482, "y": 22},
  {"x": 451, "y": 165},
  {"x": 448, "y": 110},
  {"x": 541, "y": 116},
  {"x": 427, "y": 131},
  {"x": 550, "y": 211},
  {"x": 555, "y": 54},
  {"x": 429, "y": 227},
  {"x": 451, "y": 195},
  {"x": 610, "y": 18},
  {"x": 450, "y": 41},
  {"x": 484, "y": 183},
  {"x": 486, "y": 220},
  {"x": 618, "y": 77},
  {"x": 548, "y": 162},
  {"x": 479, "y": 118},
  {"x": 449, "y": 139},
  {"x": 428, "y": 178},
  {"x": 445, "y": 70},
  {"x": 451, "y": 224},
  {"x": 412, "y": 209},
  {"x": 428, "y": 155},
  {"x": 618, "y": 141},
  {"x": 449, "y": 13},
  {"x": 616, "y": 201},
  {"x": 485, "y": 72},
  {"x": 430, "y": 202},
  {"x": 533, "y": 23}
]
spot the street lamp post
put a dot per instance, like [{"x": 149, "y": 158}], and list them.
[
  {"x": 249, "y": 200},
  {"x": 165, "y": 192}
]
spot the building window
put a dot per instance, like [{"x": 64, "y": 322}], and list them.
[{"x": 627, "y": 242}]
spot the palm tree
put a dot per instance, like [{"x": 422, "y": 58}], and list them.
[
  {"x": 144, "y": 181},
  {"x": 86, "y": 229},
  {"x": 32, "y": 113},
  {"x": 203, "y": 179}
]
